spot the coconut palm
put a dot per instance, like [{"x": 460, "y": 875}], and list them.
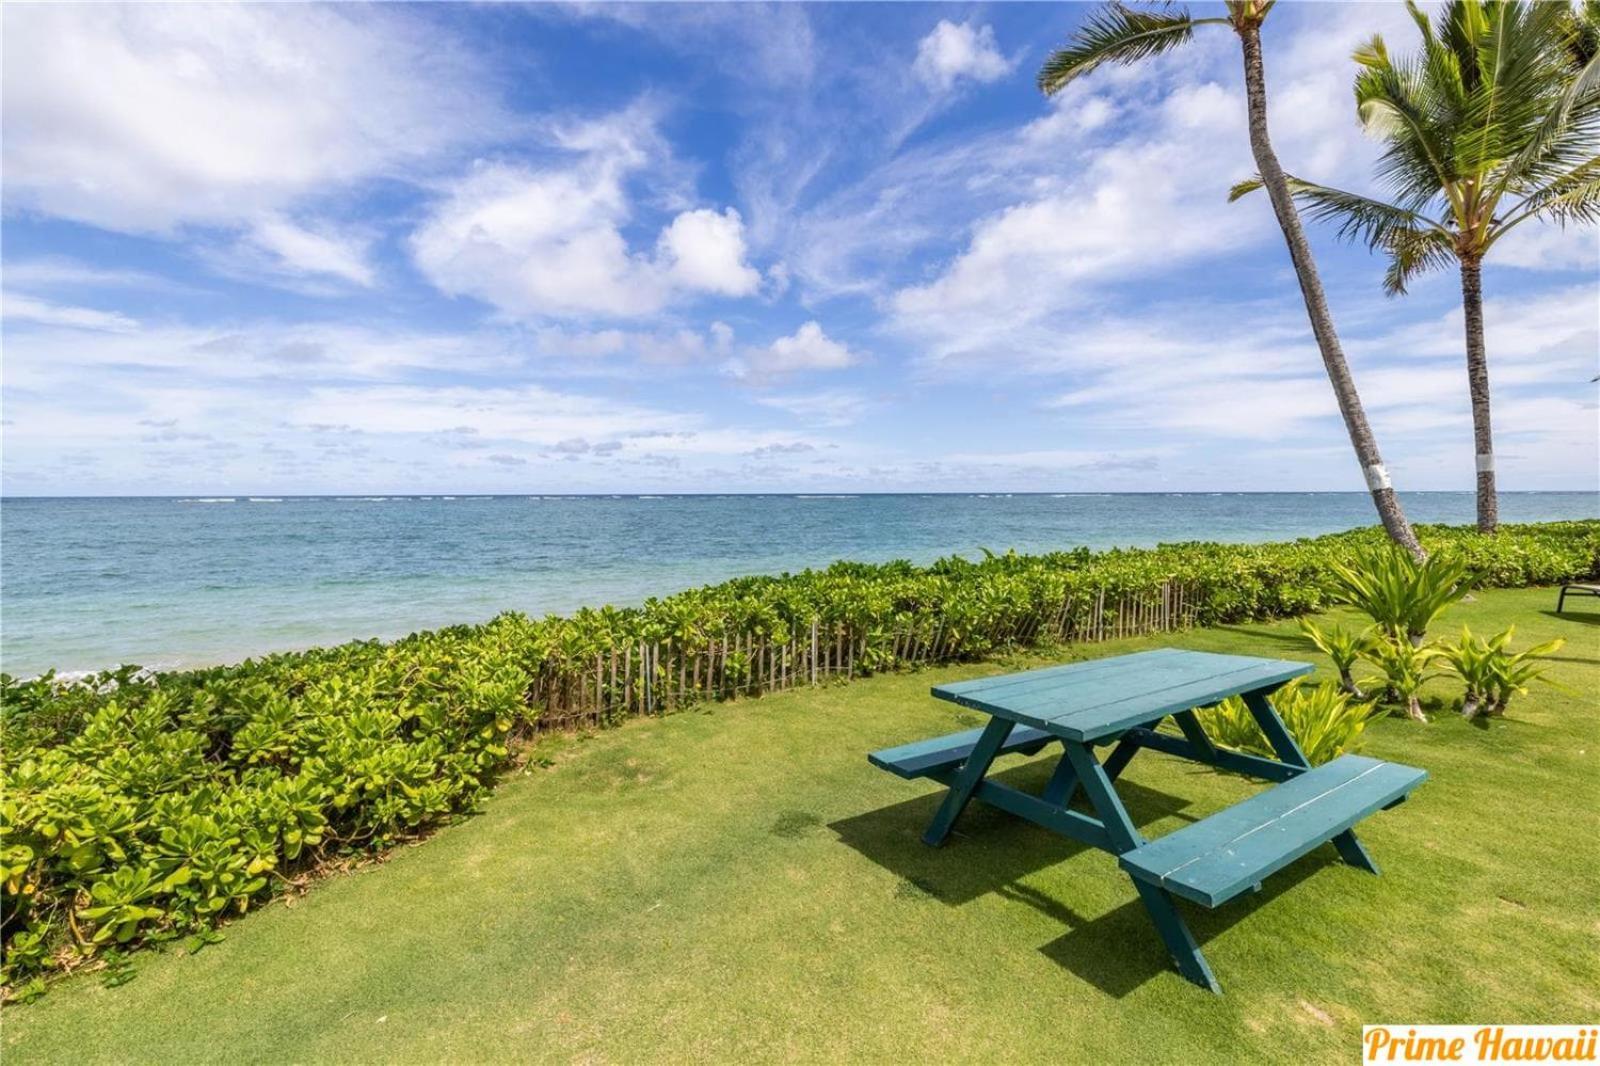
[
  {"x": 1494, "y": 122},
  {"x": 1117, "y": 33}
]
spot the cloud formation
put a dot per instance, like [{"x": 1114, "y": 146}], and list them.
[
  {"x": 546, "y": 240},
  {"x": 953, "y": 51}
]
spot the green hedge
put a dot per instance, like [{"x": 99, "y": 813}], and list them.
[{"x": 141, "y": 806}]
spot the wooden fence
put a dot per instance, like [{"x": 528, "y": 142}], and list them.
[{"x": 654, "y": 678}]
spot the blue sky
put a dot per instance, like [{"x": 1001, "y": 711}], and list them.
[{"x": 291, "y": 249}]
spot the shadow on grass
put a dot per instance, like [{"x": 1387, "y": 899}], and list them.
[
  {"x": 1586, "y": 618},
  {"x": 992, "y": 852},
  {"x": 1120, "y": 950}
]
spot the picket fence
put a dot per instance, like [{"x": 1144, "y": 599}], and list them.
[{"x": 656, "y": 678}]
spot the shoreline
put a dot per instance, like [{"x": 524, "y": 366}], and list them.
[{"x": 170, "y": 663}]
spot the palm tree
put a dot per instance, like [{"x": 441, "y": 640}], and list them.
[
  {"x": 1496, "y": 121},
  {"x": 1117, "y": 33}
]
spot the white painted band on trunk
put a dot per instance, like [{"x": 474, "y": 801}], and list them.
[
  {"x": 1377, "y": 478},
  {"x": 1486, "y": 463}
]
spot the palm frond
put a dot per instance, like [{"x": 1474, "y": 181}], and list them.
[
  {"x": 1414, "y": 252},
  {"x": 1117, "y": 33},
  {"x": 1573, "y": 198},
  {"x": 1392, "y": 104},
  {"x": 1359, "y": 218},
  {"x": 1244, "y": 188}
]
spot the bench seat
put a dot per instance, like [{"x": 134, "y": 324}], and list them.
[
  {"x": 925, "y": 758},
  {"x": 1217, "y": 858}
]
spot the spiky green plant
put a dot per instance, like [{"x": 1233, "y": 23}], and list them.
[
  {"x": 1403, "y": 670},
  {"x": 1494, "y": 122},
  {"x": 1340, "y": 645},
  {"x": 1491, "y": 673},
  {"x": 1401, "y": 594},
  {"x": 1323, "y": 719}
]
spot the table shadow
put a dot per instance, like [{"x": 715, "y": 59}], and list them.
[
  {"x": 1120, "y": 950},
  {"x": 991, "y": 851}
]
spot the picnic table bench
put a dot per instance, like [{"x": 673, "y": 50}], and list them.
[{"x": 1120, "y": 701}]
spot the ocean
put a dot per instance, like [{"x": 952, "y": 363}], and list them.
[{"x": 87, "y": 584}]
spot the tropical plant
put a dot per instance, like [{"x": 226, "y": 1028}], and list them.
[
  {"x": 1495, "y": 122},
  {"x": 1324, "y": 719},
  {"x": 1404, "y": 669},
  {"x": 1339, "y": 645},
  {"x": 1492, "y": 674},
  {"x": 1117, "y": 33},
  {"x": 1400, "y": 594}
]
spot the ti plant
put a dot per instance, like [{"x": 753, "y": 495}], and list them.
[
  {"x": 1340, "y": 645},
  {"x": 1402, "y": 595},
  {"x": 1404, "y": 669},
  {"x": 1323, "y": 719},
  {"x": 1491, "y": 673}
]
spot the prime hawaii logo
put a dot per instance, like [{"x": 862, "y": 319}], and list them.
[{"x": 1480, "y": 1043}]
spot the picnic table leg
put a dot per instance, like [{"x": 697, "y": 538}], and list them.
[
  {"x": 1063, "y": 783},
  {"x": 1120, "y": 757},
  {"x": 1350, "y": 849},
  {"x": 1180, "y": 942},
  {"x": 1181, "y": 945},
  {"x": 966, "y": 780}
]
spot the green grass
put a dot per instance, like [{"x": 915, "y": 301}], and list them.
[{"x": 737, "y": 883}]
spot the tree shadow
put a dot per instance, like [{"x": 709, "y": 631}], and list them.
[{"x": 991, "y": 851}]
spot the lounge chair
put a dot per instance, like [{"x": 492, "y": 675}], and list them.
[{"x": 1576, "y": 589}]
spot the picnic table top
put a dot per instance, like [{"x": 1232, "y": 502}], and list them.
[{"x": 1089, "y": 700}]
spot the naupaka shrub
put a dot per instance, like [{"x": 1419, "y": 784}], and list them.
[{"x": 140, "y": 806}]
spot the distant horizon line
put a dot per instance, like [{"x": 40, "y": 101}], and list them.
[{"x": 365, "y": 496}]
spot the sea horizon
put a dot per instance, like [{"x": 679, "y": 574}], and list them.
[
  {"x": 365, "y": 495},
  {"x": 174, "y": 581}
]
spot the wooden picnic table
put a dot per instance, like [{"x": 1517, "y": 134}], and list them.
[{"x": 1120, "y": 701}]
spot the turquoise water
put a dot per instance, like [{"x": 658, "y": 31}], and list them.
[{"x": 90, "y": 583}]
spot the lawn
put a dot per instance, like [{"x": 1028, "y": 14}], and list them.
[{"x": 736, "y": 883}]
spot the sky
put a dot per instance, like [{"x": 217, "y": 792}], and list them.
[{"x": 285, "y": 249}]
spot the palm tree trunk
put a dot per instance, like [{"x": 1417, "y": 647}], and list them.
[
  {"x": 1344, "y": 387},
  {"x": 1478, "y": 383}
]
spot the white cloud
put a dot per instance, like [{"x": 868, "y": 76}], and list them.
[
  {"x": 146, "y": 117},
  {"x": 704, "y": 251},
  {"x": 1248, "y": 373},
  {"x": 15, "y": 307},
  {"x": 539, "y": 242},
  {"x": 62, "y": 272},
  {"x": 808, "y": 348},
  {"x": 1533, "y": 246},
  {"x": 953, "y": 51},
  {"x": 830, "y": 407},
  {"x": 318, "y": 408},
  {"x": 547, "y": 241},
  {"x": 307, "y": 251},
  {"x": 1135, "y": 209}
]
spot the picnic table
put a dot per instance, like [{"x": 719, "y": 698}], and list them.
[{"x": 1120, "y": 701}]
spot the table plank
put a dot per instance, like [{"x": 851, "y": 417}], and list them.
[{"x": 1087, "y": 701}]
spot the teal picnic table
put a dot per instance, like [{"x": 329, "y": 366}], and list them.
[{"x": 1119, "y": 702}]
